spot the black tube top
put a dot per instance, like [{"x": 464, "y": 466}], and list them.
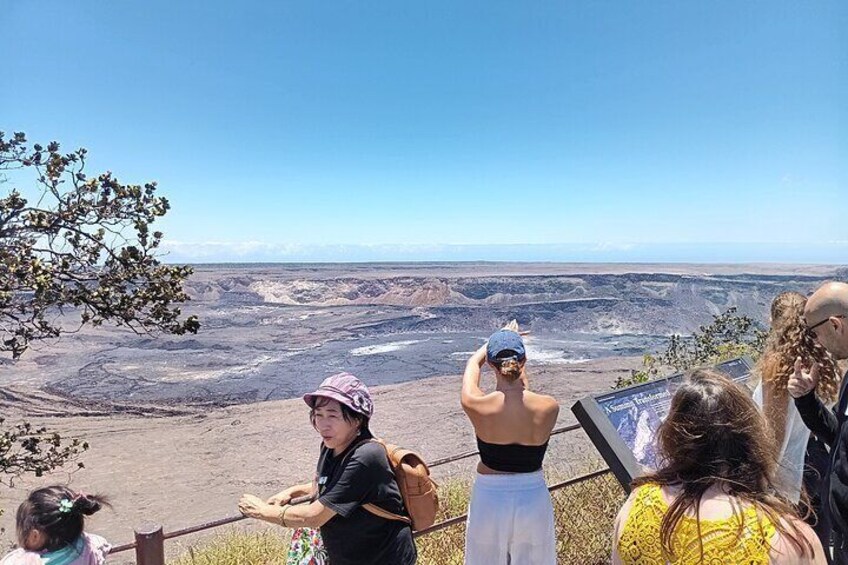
[{"x": 513, "y": 457}]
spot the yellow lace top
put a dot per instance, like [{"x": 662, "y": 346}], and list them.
[{"x": 639, "y": 542}]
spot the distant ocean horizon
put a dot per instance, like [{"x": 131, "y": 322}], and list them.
[{"x": 259, "y": 253}]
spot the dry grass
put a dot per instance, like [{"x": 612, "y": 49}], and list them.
[
  {"x": 237, "y": 547},
  {"x": 584, "y": 513},
  {"x": 447, "y": 546}
]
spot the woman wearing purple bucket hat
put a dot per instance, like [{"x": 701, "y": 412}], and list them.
[
  {"x": 351, "y": 472},
  {"x": 511, "y": 518}
]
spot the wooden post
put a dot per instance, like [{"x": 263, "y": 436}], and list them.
[{"x": 150, "y": 545}]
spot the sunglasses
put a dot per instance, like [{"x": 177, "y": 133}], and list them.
[{"x": 812, "y": 329}]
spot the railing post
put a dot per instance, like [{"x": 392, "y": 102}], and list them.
[{"x": 150, "y": 545}]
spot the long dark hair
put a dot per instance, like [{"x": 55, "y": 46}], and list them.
[
  {"x": 714, "y": 435},
  {"x": 58, "y": 513}
]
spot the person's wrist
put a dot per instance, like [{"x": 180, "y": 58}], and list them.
[
  {"x": 269, "y": 512},
  {"x": 281, "y": 516},
  {"x": 806, "y": 396}
]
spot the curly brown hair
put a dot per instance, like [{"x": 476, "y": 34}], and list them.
[{"x": 788, "y": 340}]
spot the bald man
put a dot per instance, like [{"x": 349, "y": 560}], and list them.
[{"x": 826, "y": 318}]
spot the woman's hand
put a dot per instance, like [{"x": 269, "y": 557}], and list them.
[
  {"x": 281, "y": 498},
  {"x": 511, "y": 326},
  {"x": 801, "y": 382},
  {"x": 253, "y": 507}
]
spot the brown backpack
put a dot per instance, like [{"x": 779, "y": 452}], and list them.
[{"x": 419, "y": 491}]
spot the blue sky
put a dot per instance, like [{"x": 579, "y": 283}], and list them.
[{"x": 476, "y": 130}]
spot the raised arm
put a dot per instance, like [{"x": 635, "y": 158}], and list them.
[
  {"x": 816, "y": 416},
  {"x": 471, "y": 390}
]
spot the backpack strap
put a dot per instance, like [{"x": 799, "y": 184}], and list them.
[{"x": 376, "y": 510}]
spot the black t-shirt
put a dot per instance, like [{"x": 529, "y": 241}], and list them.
[{"x": 356, "y": 536}]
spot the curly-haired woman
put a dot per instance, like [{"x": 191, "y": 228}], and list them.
[{"x": 787, "y": 341}]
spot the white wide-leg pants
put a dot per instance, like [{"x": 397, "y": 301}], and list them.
[{"x": 510, "y": 521}]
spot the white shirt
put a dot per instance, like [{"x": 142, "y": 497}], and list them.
[{"x": 790, "y": 458}]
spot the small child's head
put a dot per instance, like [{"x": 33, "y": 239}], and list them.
[{"x": 52, "y": 517}]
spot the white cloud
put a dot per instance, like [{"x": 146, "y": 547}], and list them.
[{"x": 833, "y": 252}]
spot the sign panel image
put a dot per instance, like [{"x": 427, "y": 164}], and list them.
[{"x": 623, "y": 423}]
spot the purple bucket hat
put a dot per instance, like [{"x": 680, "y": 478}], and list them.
[{"x": 346, "y": 389}]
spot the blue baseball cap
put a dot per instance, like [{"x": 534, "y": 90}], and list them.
[{"x": 505, "y": 340}]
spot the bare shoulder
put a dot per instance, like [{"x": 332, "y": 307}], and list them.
[
  {"x": 543, "y": 402},
  {"x": 625, "y": 508},
  {"x": 483, "y": 404},
  {"x": 470, "y": 398},
  {"x": 786, "y": 552}
]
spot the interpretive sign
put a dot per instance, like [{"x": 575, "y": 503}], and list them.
[{"x": 622, "y": 423}]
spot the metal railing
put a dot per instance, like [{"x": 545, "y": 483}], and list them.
[{"x": 150, "y": 538}]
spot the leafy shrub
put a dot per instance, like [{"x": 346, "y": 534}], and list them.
[{"x": 728, "y": 336}]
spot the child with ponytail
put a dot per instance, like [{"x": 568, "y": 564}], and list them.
[{"x": 49, "y": 526}]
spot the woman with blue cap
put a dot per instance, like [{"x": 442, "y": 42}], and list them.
[{"x": 511, "y": 518}]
